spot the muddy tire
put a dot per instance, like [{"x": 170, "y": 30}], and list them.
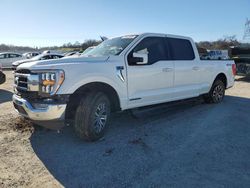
[
  {"x": 217, "y": 92},
  {"x": 92, "y": 116}
]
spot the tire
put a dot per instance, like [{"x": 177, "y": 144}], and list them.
[
  {"x": 216, "y": 93},
  {"x": 92, "y": 116},
  {"x": 2, "y": 78}
]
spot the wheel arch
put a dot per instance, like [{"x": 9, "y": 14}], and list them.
[
  {"x": 107, "y": 89},
  {"x": 222, "y": 76}
]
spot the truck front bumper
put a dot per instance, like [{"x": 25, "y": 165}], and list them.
[{"x": 39, "y": 112}]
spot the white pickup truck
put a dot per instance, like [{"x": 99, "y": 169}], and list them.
[{"x": 121, "y": 73}]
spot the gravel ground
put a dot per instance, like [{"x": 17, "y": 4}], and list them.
[{"x": 188, "y": 144}]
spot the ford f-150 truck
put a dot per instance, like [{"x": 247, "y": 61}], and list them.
[{"x": 121, "y": 73}]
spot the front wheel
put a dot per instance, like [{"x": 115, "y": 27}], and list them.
[
  {"x": 92, "y": 116},
  {"x": 216, "y": 93}
]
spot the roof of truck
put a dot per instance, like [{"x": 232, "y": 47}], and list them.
[{"x": 149, "y": 33}]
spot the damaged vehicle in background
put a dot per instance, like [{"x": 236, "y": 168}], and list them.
[
  {"x": 43, "y": 56},
  {"x": 29, "y": 55}
]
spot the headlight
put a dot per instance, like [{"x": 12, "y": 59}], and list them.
[{"x": 50, "y": 81}]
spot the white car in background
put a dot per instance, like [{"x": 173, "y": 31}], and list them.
[
  {"x": 37, "y": 58},
  {"x": 7, "y": 58},
  {"x": 29, "y": 55},
  {"x": 68, "y": 54},
  {"x": 216, "y": 55}
]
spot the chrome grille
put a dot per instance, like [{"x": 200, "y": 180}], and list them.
[
  {"x": 26, "y": 81},
  {"x": 23, "y": 71},
  {"x": 21, "y": 82}
]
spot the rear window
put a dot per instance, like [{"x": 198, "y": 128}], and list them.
[{"x": 180, "y": 49}]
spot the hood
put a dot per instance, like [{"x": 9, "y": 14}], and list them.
[
  {"x": 50, "y": 64},
  {"x": 16, "y": 63}
]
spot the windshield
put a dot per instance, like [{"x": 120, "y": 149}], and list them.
[
  {"x": 87, "y": 51},
  {"x": 111, "y": 47}
]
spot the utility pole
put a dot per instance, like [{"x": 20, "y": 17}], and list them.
[{"x": 246, "y": 36}]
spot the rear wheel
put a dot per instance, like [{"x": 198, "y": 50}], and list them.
[
  {"x": 216, "y": 93},
  {"x": 92, "y": 116}
]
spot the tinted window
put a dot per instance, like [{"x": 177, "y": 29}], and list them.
[
  {"x": 181, "y": 49},
  {"x": 46, "y": 57},
  {"x": 56, "y": 57},
  {"x": 154, "y": 47},
  {"x": 14, "y": 55}
]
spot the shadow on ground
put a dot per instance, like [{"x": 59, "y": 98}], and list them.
[
  {"x": 191, "y": 144},
  {"x": 5, "y": 96},
  {"x": 243, "y": 79}
]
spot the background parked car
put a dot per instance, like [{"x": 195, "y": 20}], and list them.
[
  {"x": 78, "y": 54},
  {"x": 30, "y": 55},
  {"x": 241, "y": 56},
  {"x": 216, "y": 55},
  {"x": 7, "y": 58},
  {"x": 37, "y": 58},
  {"x": 2, "y": 75},
  {"x": 70, "y": 53}
]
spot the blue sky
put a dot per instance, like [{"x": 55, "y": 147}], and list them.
[{"x": 55, "y": 22}]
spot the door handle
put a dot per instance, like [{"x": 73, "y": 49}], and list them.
[
  {"x": 167, "y": 69},
  {"x": 196, "y": 68}
]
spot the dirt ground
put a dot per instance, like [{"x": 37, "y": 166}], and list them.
[{"x": 188, "y": 144}]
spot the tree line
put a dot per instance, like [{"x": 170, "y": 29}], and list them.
[
  {"x": 65, "y": 47},
  {"x": 220, "y": 44}
]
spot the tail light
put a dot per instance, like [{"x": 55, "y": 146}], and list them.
[{"x": 234, "y": 69}]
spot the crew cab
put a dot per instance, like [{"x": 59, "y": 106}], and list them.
[{"x": 121, "y": 73}]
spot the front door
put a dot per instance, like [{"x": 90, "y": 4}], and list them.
[{"x": 150, "y": 83}]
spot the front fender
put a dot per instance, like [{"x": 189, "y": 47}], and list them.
[{"x": 70, "y": 85}]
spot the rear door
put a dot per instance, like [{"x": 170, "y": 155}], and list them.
[
  {"x": 150, "y": 83},
  {"x": 187, "y": 68}
]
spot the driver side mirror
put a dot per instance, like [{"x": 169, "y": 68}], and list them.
[{"x": 139, "y": 58}]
